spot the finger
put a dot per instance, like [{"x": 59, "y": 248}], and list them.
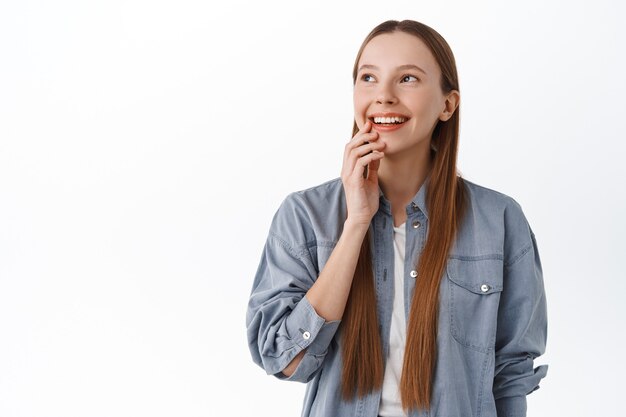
[
  {"x": 364, "y": 161},
  {"x": 359, "y": 152},
  {"x": 360, "y": 135},
  {"x": 363, "y": 129},
  {"x": 366, "y": 128},
  {"x": 367, "y": 148},
  {"x": 372, "y": 170},
  {"x": 358, "y": 140}
]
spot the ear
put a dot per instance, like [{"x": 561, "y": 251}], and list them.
[{"x": 452, "y": 102}]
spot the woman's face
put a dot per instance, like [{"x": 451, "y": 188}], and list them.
[{"x": 398, "y": 76}]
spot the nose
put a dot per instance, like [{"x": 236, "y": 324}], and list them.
[{"x": 386, "y": 96}]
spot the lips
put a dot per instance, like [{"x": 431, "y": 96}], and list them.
[{"x": 386, "y": 122}]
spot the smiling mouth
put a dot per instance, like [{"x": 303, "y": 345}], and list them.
[{"x": 388, "y": 121}]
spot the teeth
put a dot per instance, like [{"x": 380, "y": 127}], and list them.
[{"x": 396, "y": 119}]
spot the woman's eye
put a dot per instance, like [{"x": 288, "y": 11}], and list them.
[
  {"x": 364, "y": 77},
  {"x": 408, "y": 76}
]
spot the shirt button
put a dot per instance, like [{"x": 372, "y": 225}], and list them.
[
  {"x": 484, "y": 288},
  {"x": 414, "y": 206},
  {"x": 416, "y": 224},
  {"x": 414, "y": 273},
  {"x": 306, "y": 335}
]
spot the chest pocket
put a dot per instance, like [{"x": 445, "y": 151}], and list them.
[{"x": 473, "y": 297}]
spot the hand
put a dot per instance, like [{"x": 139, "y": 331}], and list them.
[{"x": 362, "y": 192}]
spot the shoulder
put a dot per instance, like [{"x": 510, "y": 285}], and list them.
[
  {"x": 500, "y": 213},
  {"x": 311, "y": 213},
  {"x": 313, "y": 198},
  {"x": 486, "y": 196},
  {"x": 320, "y": 193},
  {"x": 490, "y": 199}
]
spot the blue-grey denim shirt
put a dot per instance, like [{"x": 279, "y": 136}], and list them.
[{"x": 492, "y": 309}]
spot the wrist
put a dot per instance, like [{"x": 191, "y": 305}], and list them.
[{"x": 356, "y": 226}]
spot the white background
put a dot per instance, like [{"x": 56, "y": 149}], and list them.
[{"x": 145, "y": 146}]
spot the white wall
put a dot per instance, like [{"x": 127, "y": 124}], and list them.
[{"x": 145, "y": 146}]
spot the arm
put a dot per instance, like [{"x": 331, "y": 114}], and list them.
[
  {"x": 521, "y": 332},
  {"x": 283, "y": 322},
  {"x": 329, "y": 294},
  {"x": 288, "y": 332}
]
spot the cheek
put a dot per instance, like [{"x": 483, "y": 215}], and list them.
[{"x": 360, "y": 109}]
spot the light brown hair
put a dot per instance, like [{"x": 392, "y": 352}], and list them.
[{"x": 363, "y": 366}]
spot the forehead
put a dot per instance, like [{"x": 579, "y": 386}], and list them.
[{"x": 391, "y": 50}]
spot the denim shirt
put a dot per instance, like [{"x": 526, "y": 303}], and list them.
[{"x": 492, "y": 309}]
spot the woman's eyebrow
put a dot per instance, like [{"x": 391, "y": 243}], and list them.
[{"x": 401, "y": 67}]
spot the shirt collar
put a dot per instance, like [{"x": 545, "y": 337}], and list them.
[{"x": 418, "y": 200}]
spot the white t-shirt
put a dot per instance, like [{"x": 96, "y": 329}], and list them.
[{"x": 390, "y": 405}]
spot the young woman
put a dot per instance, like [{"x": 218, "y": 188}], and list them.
[{"x": 401, "y": 288}]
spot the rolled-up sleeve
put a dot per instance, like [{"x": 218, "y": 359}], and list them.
[
  {"x": 521, "y": 331},
  {"x": 280, "y": 320}
]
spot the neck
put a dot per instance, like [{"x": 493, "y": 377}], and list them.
[{"x": 401, "y": 176}]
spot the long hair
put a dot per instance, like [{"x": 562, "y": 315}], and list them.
[{"x": 363, "y": 366}]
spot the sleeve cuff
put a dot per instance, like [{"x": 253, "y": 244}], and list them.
[
  {"x": 305, "y": 370},
  {"x": 511, "y": 406},
  {"x": 307, "y": 329}
]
